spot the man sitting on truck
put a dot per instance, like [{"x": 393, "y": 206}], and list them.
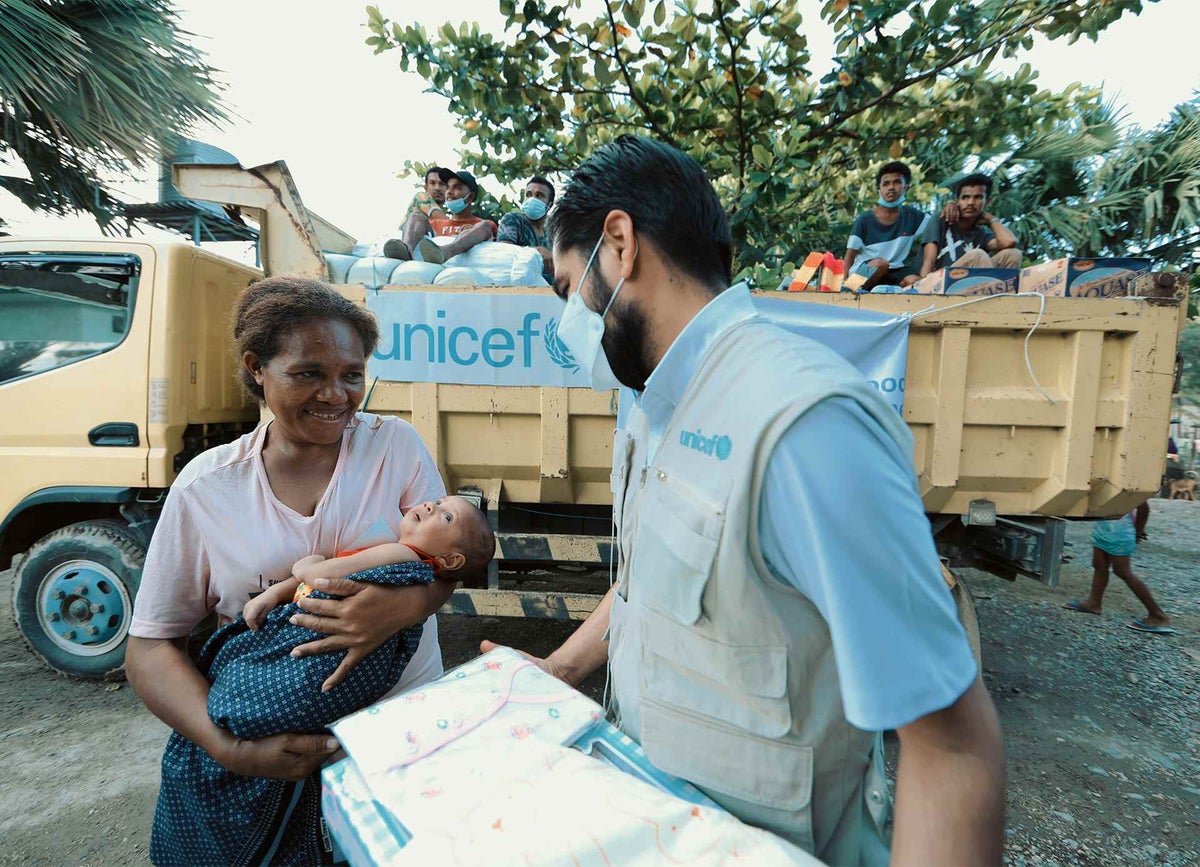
[
  {"x": 464, "y": 227},
  {"x": 430, "y": 198},
  {"x": 882, "y": 239},
  {"x": 967, "y": 236},
  {"x": 527, "y": 227}
]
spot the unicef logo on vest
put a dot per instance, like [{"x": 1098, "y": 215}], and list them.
[{"x": 717, "y": 445}]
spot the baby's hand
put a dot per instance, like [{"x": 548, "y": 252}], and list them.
[
  {"x": 256, "y": 610},
  {"x": 302, "y": 569}
]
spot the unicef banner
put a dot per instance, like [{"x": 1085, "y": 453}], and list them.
[
  {"x": 473, "y": 338},
  {"x": 478, "y": 338},
  {"x": 875, "y": 343}
]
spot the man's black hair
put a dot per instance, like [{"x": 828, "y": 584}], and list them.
[
  {"x": 431, "y": 170},
  {"x": 894, "y": 168},
  {"x": 667, "y": 194},
  {"x": 975, "y": 180},
  {"x": 538, "y": 179}
]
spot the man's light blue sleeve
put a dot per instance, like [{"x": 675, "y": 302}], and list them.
[{"x": 841, "y": 521}]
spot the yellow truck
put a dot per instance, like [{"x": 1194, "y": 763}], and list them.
[{"x": 116, "y": 369}]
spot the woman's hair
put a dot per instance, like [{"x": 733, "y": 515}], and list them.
[{"x": 270, "y": 309}]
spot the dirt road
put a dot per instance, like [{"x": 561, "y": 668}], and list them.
[{"x": 1102, "y": 724}]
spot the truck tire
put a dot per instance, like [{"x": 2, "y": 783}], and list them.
[
  {"x": 73, "y": 597},
  {"x": 964, "y": 604}
]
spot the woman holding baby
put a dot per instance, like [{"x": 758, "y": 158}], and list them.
[{"x": 319, "y": 478}]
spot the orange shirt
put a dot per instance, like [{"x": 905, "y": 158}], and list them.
[{"x": 449, "y": 228}]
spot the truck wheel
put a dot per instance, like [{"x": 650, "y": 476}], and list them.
[
  {"x": 964, "y": 604},
  {"x": 73, "y": 597}
]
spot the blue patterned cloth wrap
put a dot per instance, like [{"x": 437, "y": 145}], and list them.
[
  {"x": 207, "y": 815},
  {"x": 1117, "y": 537}
]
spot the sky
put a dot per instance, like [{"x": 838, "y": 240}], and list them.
[{"x": 303, "y": 87}]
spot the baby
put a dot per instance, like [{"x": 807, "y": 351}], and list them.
[
  {"x": 448, "y": 534},
  {"x": 250, "y": 659}
]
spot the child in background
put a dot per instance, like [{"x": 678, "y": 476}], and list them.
[{"x": 1113, "y": 544}]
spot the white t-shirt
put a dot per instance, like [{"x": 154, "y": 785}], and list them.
[{"x": 223, "y": 536}]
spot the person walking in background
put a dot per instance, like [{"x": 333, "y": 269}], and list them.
[{"x": 1113, "y": 544}]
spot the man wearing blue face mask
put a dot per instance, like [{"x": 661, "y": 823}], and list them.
[
  {"x": 758, "y": 641},
  {"x": 882, "y": 239},
  {"x": 527, "y": 227},
  {"x": 458, "y": 223}
]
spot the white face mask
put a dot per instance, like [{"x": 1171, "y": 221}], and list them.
[{"x": 581, "y": 329}]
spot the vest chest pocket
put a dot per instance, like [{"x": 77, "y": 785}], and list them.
[{"x": 678, "y": 530}]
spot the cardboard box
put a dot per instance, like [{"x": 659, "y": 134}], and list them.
[
  {"x": 1084, "y": 278},
  {"x": 969, "y": 281}
]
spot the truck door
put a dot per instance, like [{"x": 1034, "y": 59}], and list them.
[{"x": 74, "y": 338}]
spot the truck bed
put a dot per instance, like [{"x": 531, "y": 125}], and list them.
[{"x": 1092, "y": 446}]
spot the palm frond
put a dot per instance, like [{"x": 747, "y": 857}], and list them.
[{"x": 91, "y": 88}]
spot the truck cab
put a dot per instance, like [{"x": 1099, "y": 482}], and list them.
[{"x": 115, "y": 370}]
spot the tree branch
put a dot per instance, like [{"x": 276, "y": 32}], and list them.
[
  {"x": 638, "y": 101},
  {"x": 817, "y": 132},
  {"x": 737, "y": 90},
  {"x": 566, "y": 91}
]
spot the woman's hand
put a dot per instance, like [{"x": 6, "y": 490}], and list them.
[
  {"x": 280, "y": 757},
  {"x": 367, "y": 616}
]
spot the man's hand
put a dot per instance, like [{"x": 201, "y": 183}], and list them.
[
  {"x": 366, "y": 616},
  {"x": 280, "y": 757},
  {"x": 950, "y": 213},
  {"x": 582, "y": 653},
  {"x": 549, "y": 665}
]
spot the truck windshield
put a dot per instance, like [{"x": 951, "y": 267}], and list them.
[{"x": 56, "y": 308}]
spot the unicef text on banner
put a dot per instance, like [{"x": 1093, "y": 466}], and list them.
[{"x": 472, "y": 339}]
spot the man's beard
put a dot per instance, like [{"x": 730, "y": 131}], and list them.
[{"x": 625, "y": 341}]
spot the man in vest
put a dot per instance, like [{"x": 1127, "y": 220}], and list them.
[{"x": 779, "y": 600}]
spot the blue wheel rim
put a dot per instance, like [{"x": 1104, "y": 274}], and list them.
[{"x": 84, "y": 608}]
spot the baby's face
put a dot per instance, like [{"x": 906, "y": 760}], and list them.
[{"x": 437, "y": 527}]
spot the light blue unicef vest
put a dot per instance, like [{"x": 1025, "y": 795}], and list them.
[{"x": 724, "y": 673}]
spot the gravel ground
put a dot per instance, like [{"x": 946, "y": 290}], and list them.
[{"x": 1102, "y": 724}]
